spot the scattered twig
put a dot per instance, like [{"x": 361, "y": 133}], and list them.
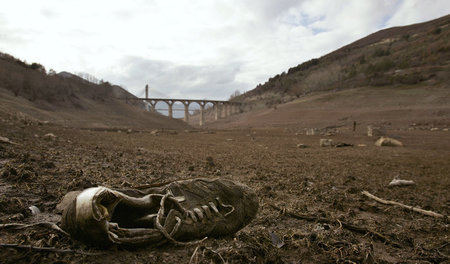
[
  {"x": 218, "y": 254},
  {"x": 49, "y": 225},
  {"x": 443, "y": 245},
  {"x": 158, "y": 184},
  {"x": 442, "y": 254},
  {"x": 412, "y": 208},
  {"x": 49, "y": 249},
  {"x": 7, "y": 140},
  {"x": 357, "y": 229},
  {"x": 191, "y": 261}
]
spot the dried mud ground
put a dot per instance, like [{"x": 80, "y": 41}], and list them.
[{"x": 321, "y": 184}]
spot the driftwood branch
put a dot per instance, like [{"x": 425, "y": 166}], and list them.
[
  {"x": 357, "y": 229},
  {"x": 49, "y": 249},
  {"x": 412, "y": 208},
  {"x": 48, "y": 225}
]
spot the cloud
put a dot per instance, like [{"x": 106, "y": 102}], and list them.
[
  {"x": 178, "y": 81},
  {"x": 416, "y": 11},
  {"x": 9, "y": 36},
  {"x": 194, "y": 48},
  {"x": 50, "y": 14}
]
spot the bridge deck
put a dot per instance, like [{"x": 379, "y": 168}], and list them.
[
  {"x": 183, "y": 100},
  {"x": 221, "y": 108}
]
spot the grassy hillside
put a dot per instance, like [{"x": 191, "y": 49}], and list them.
[
  {"x": 32, "y": 82},
  {"x": 392, "y": 107},
  {"x": 415, "y": 54},
  {"x": 29, "y": 91}
]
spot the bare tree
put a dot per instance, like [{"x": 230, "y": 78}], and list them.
[{"x": 235, "y": 94}]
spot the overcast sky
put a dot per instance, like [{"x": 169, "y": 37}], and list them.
[{"x": 194, "y": 48}]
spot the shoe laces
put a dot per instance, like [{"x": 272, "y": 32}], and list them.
[{"x": 198, "y": 213}]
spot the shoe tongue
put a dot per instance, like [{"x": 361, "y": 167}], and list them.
[{"x": 171, "y": 221}]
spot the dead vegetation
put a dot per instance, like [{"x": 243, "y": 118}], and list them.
[{"x": 312, "y": 209}]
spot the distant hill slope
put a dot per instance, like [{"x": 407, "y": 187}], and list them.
[
  {"x": 405, "y": 107},
  {"x": 409, "y": 55},
  {"x": 397, "y": 78},
  {"x": 67, "y": 99}
]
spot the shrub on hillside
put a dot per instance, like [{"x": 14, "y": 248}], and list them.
[
  {"x": 362, "y": 59},
  {"x": 379, "y": 52},
  {"x": 410, "y": 78},
  {"x": 304, "y": 66},
  {"x": 437, "y": 31},
  {"x": 381, "y": 66},
  {"x": 37, "y": 67}
]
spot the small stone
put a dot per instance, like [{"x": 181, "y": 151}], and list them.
[
  {"x": 17, "y": 217},
  {"x": 49, "y": 135},
  {"x": 342, "y": 144},
  {"x": 434, "y": 129},
  {"x": 373, "y": 131},
  {"x": 276, "y": 241},
  {"x": 362, "y": 145},
  {"x": 209, "y": 161},
  {"x": 6, "y": 140},
  {"x": 41, "y": 123},
  {"x": 389, "y": 142},
  {"x": 399, "y": 182},
  {"x": 34, "y": 210},
  {"x": 311, "y": 131},
  {"x": 301, "y": 146},
  {"x": 326, "y": 142}
]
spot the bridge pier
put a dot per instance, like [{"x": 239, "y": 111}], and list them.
[
  {"x": 202, "y": 109},
  {"x": 186, "y": 110},
  {"x": 224, "y": 110},
  {"x": 152, "y": 105},
  {"x": 216, "y": 111},
  {"x": 170, "y": 107}
]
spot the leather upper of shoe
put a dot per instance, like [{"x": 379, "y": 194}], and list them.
[
  {"x": 212, "y": 207},
  {"x": 179, "y": 211}
]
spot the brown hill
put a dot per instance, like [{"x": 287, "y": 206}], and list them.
[
  {"x": 406, "y": 107},
  {"x": 415, "y": 54},
  {"x": 28, "y": 91},
  {"x": 397, "y": 77}
]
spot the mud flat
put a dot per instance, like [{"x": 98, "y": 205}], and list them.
[{"x": 312, "y": 209}]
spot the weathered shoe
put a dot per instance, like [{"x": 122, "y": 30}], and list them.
[{"x": 176, "y": 212}]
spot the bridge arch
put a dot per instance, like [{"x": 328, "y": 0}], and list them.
[{"x": 222, "y": 109}]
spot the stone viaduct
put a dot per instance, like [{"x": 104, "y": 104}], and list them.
[{"x": 222, "y": 109}]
